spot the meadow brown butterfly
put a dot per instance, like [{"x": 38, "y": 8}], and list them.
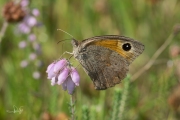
[{"x": 106, "y": 59}]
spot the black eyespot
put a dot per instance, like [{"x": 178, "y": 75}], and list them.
[{"x": 126, "y": 46}]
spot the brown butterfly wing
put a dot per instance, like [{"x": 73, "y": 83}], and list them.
[
  {"x": 104, "y": 59},
  {"x": 115, "y": 43},
  {"x": 105, "y": 67}
]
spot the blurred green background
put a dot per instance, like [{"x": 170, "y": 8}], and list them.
[{"x": 154, "y": 95}]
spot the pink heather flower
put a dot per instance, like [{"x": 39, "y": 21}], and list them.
[
  {"x": 60, "y": 65},
  {"x": 22, "y": 44},
  {"x": 35, "y": 12},
  {"x": 49, "y": 67},
  {"x": 30, "y": 21},
  {"x": 32, "y": 56},
  {"x": 53, "y": 81},
  {"x": 62, "y": 73},
  {"x": 24, "y": 3},
  {"x": 63, "y": 76},
  {"x": 70, "y": 85},
  {"x": 64, "y": 86},
  {"x": 36, "y": 46},
  {"x": 75, "y": 76},
  {"x": 36, "y": 75},
  {"x": 24, "y": 63},
  {"x": 23, "y": 28},
  {"x": 51, "y": 73},
  {"x": 32, "y": 37}
]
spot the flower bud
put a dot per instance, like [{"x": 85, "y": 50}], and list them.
[
  {"x": 64, "y": 86},
  {"x": 50, "y": 72},
  {"x": 49, "y": 67},
  {"x": 63, "y": 76},
  {"x": 70, "y": 85},
  {"x": 75, "y": 76},
  {"x": 60, "y": 65},
  {"x": 53, "y": 81}
]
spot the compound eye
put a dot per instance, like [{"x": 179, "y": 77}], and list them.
[
  {"x": 83, "y": 50},
  {"x": 126, "y": 46}
]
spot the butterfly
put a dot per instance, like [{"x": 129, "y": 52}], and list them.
[{"x": 106, "y": 59}]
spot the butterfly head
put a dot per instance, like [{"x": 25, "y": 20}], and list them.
[{"x": 75, "y": 45}]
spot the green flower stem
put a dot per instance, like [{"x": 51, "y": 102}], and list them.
[
  {"x": 116, "y": 104},
  {"x": 124, "y": 97},
  {"x": 153, "y": 58},
  {"x": 3, "y": 30},
  {"x": 72, "y": 106}
]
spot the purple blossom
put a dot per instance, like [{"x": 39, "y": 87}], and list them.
[
  {"x": 35, "y": 12},
  {"x": 32, "y": 37},
  {"x": 37, "y": 47},
  {"x": 53, "y": 81},
  {"x": 64, "y": 86},
  {"x": 32, "y": 56},
  {"x": 50, "y": 71},
  {"x": 24, "y": 63},
  {"x": 30, "y": 21},
  {"x": 22, "y": 44},
  {"x": 49, "y": 67},
  {"x": 70, "y": 85},
  {"x": 60, "y": 65},
  {"x": 61, "y": 73},
  {"x": 36, "y": 75},
  {"x": 24, "y": 3},
  {"x": 75, "y": 76},
  {"x": 23, "y": 28}
]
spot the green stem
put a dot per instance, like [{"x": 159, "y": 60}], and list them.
[
  {"x": 3, "y": 30},
  {"x": 72, "y": 106},
  {"x": 116, "y": 104},
  {"x": 124, "y": 97},
  {"x": 153, "y": 58}
]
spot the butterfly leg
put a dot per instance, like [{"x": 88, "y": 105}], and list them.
[{"x": 66, "y": 52}]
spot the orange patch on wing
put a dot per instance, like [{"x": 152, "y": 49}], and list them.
[{"x": 115, "y": 45}]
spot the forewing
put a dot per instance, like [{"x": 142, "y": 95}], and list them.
[
  {"x": 105, "y": 67},
  {"x": 115, "y": 43}
]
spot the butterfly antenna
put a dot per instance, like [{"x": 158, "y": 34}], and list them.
[
  {"x": 65, "y": 32},
  {"x": 63, "y": 40}
]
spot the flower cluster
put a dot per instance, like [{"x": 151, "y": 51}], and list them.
[
  {"x": 29, "y": 21},
  {"x": 61, "y": 73},
  {"x": 26, "y": 28}
]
